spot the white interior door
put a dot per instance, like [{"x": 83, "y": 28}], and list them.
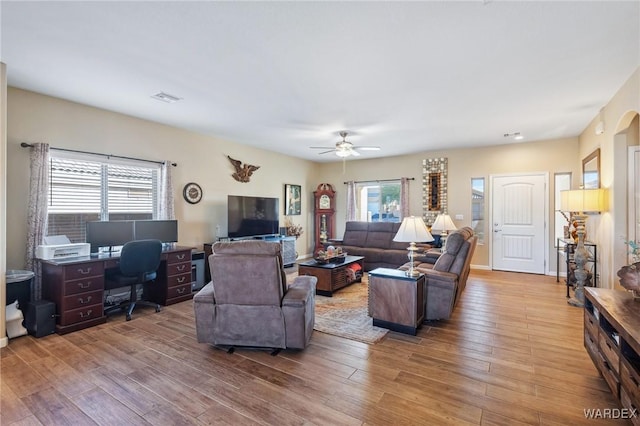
[
  {"x": 634, "y": 195},
  {"x": 518, "y": 211}
]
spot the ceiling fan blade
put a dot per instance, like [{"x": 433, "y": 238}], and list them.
[
  {"x": 354, "y": 153},
  {"x": 326, "y": 152},
  {"x": 319, "y": 147},
  {"x": 368, "y": 148}
]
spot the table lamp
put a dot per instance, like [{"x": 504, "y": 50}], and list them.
[
  {"x": 412, "y": 230},
  {"x": 444, "y": 224},
  {"x": 577, "y": 202}
]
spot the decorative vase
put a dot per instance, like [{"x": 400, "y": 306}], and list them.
[{"x": 630, "y": 278}]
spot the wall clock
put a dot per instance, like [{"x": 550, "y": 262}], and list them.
[{"x": 192, "y": 193}]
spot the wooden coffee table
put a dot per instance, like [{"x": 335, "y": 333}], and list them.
[{"x": 331, "y": 276}]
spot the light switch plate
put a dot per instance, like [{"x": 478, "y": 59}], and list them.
[{"x": 459, "y": 217}]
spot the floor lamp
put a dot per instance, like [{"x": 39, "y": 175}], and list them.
[
  {"x": 413, "y": 230},
  {"x": 578, "y": 202}
]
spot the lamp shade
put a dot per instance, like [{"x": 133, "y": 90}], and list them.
[
  {"x": 583, "y": 200},
  {"x": 443, "y": 222},
  {"x": 413, "y": 230}
]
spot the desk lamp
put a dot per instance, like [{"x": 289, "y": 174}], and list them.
[
  {"x": 412, "y": 230},
  {"x": 444, "y": 224},
  {"x": 579, "y": 201}
]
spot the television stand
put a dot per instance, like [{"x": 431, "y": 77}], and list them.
[{"x": 288, "y": 250}]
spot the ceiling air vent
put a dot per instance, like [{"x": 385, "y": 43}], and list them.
[{"x": 165, "y": 97}]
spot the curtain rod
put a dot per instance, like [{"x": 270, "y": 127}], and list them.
[
  {"x": 28, "y": 145},
  {"x": 378, "y": 180}
]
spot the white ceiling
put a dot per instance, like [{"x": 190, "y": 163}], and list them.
[{"x": 284, "y": 76}]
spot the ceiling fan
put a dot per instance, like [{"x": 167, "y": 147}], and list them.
[{"x": 345, "y": 148}]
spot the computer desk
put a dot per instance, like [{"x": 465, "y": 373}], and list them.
[{"x": 76, "y": 285}]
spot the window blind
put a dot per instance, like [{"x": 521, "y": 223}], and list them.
[{"x": 87, "y": 190}]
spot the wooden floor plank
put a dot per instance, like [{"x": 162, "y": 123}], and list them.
[{"x": 512, "y": 354}]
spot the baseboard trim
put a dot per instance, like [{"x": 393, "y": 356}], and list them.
[
  {"x": 481, "y": 267},
  {"x": 4, "y": 341}
]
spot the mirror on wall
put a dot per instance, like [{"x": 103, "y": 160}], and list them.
[
  {"x": 591, "y": 170},
  {"x": 434, "y": 188},
  {"x": 433, "y": 196}
]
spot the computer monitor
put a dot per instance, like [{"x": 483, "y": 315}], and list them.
[
  {"x": 163, "y": 230},
  {"x": 110, "y": 234}
]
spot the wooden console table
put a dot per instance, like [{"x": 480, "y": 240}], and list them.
[
  {"x": 396, "y": 301},
  {"x": 612, "y": 340},
  {"x": 288, "y": 251}
]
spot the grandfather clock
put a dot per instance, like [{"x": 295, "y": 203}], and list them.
[{"x": 325, "y": 214}]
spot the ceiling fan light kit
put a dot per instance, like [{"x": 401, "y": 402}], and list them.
[{"x": 345, "y": 148}]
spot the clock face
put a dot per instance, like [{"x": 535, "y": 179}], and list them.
[
  {"x": 325, "y": 202},
  {"x": 192, "y": 193}
]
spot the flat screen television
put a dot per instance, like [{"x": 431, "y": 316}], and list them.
[
  {"x": 110, "y": 234},
  {"x": 163, "y": 230},
  {"x": 252, "y": 216}
]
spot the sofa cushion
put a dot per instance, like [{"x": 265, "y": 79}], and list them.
[
  {"x": 456, "y": 248},
  {"x": 379, "y": 235},
  {"x": 397, "y": 257},
  {"x": 355, "y": 234},
  {"x": 372, "y": 255}
]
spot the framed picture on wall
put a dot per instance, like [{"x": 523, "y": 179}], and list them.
[{"x": 292, "y": 199}]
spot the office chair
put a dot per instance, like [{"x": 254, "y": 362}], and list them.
[{"x": 139, "y": 262}]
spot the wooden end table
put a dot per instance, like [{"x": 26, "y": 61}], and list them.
[
  {"x": 396, "y": 301},
  {"x": 331, "y": 276}
]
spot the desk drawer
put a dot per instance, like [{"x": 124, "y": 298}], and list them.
[
  {"x": 590, "y": 324},
  {"x": 630, "y": 381},
  {"x": 80, "y": 315},
  {"x": 608, "y": 374},
  {"x": 627, "y": 403},
  {"x": 84, "y": 270},
  {"x": 178, "y": 268},
  {"x": 610, "y": 351},
  {"x": 179, "y": 291},
  {"x": 178, "y": 280},
  {"x": 82, "y": 300},
  {"x": 179, "y": 256},
  {"x": 84, "y": 285}
]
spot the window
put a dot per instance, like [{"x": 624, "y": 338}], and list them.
[
  {"x": 562, "y": 181},
  {"x": 378, "y": 201},
  {"x": 477, "y": 208},
  {"x": 84, "y": 189}
]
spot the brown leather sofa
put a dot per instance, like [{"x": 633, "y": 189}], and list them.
[
  {"x": 447, "y": 278},
  {"x": 248, "y": 303},
  {"x": 374, "y": 241}
]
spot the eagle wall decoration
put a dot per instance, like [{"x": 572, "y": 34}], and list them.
[{"x": 243, "y": 171}]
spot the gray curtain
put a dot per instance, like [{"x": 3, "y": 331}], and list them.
[
  {"x": 166, "y": 210},
  {"x": 37, "y": 214},
  {"x": 351, "y": 200},
  {"x": 404, "y": 198}
]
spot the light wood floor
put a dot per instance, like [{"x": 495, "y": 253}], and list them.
[{"x": 512, "y": 354}]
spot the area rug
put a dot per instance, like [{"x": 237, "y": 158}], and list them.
[{"x": 345, "y": 314}]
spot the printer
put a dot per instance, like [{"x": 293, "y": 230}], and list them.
[{"x": 59, "y": 247}]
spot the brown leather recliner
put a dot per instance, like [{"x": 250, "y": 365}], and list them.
[
  {"x": 447, "y": 278},
  {"x": 248, "y": 303}
]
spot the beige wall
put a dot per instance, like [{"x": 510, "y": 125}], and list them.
[
  {"x": 37, "y": 118},
  {"x": 551, "y": 156},
  {"x": 34, "y": 117},
  {"x": 621, "y": 130},
  {"x": 3, "y": 200}
]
